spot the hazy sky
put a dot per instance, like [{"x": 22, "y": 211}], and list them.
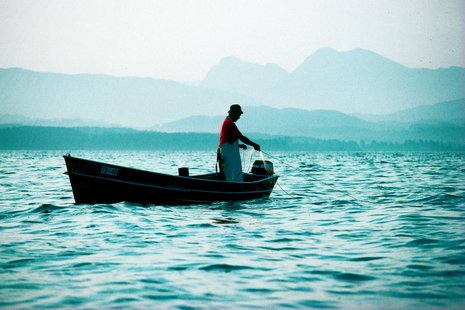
[{"x": 182, "y": 40}]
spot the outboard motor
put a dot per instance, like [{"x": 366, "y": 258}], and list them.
[{"x": 263, "y": 167}]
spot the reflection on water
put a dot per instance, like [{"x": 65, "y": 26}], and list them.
[
  {"x": 340, "y": 230},
  {"x": 225, "y": 220}
]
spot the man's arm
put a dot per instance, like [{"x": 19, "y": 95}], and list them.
[{"x": 249, "y": 142}]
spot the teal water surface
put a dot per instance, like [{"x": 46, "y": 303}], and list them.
[{"x": 340, "y": 230}]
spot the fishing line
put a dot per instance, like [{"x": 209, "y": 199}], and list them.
[
  {"x": 263, "y": 159},
  {"x": 250, "y": 160},
  {"x": 244, "y": 151},
  {"x": 313, "y": 178},
  {"x": 283, "y": 189}
]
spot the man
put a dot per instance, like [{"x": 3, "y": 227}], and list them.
[{"x": 228, "y": 149}]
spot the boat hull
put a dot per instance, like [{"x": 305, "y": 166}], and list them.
[{"x": 95, "y": 182}]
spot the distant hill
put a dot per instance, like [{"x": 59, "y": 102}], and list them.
[
  {"x": 9, "y": 119},
  {"x": 325, "y": 124},
  {"x": 443, "y": 122},
  {"x": 358, "y": 81},
  {"x": 450, "y": 111},
  {"x": 289, "y": 121},
  {"x": 129, "y": 101},
  {"x": 89, "y": 138},
  {"x": 293, "y": 122}
]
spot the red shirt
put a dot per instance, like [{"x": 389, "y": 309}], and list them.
[{"x": 229, "y": 132}]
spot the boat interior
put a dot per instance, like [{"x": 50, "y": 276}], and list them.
[{"x": 248, "y": 177}]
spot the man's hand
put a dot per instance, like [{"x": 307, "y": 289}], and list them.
[
  {"x": 256, "y": 147},
  {"x": 243, "y": 146}
]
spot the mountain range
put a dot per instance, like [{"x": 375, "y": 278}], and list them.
[
  {"x": 441, "y": 126},
  {"x": 357, "y": 81},
  {"x": 127, "y": 101},
  {"x": 443, "y": 121}
]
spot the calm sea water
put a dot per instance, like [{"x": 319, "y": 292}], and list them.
[{"x": 340, "y": 230}]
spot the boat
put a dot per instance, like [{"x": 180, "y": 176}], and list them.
[{"x": 95, "y": 182}]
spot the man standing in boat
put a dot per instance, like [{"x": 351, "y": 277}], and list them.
[{"x": 228, "y": 149}]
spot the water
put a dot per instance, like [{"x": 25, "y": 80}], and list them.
[{"x": 397, "y": 242}]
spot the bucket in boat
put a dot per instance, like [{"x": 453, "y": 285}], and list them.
[
  {"x": 263, "y": 167},
  {"x": 183, "y": 172}
]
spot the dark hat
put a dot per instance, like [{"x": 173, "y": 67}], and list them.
[{"x": 235, "y": 108}]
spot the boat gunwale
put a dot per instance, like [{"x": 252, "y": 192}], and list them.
[
  {"x": 267, "y": 178},
  {"x": 185, "y": 190}
]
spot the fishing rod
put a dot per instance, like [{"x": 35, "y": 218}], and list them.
[{"x": 313, "y": 178}]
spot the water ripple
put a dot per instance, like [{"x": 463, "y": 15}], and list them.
[{"x": 382, "y": 230}]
